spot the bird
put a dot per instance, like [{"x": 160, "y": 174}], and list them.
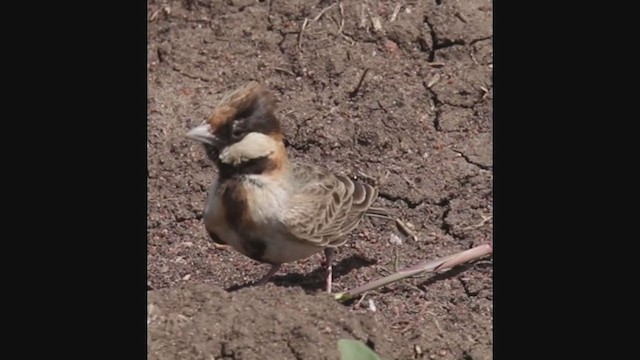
[{"x": 266, "y": 205}]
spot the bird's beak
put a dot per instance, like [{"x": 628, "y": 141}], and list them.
[{"x": 202, "y": 133}]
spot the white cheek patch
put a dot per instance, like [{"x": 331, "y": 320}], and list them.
[{"x": 254, "y": 145}]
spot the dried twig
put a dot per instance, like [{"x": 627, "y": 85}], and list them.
[
  {"x": 363, "y": 16},
  {"x": 410, "y": 182},
  {"x": 154, "y": 16},
  {"x": 341, "y": 25},
  {"x": 323, "y": 11},
  {"x": 341, "y": 19},
  {"x": 365, "y": 176},
  {"x": 480, "y": 224},
  {"x": 434, "y": 80},
  {"x": 396, "y": 10},
  {"x": 395, "y": 241},
  {"x": 375, "y": 20},
  {"x": 284, "y": 71},
  {"x": 462, "y": 17},
  {"x": 441, "y": 264},
  {"x": 355, "y": 91},
  {"x": 473, "y": 57},
  {"x": 360, "y": 301},
  {"x": 349, "y": 38},
  {"x": 304, "y": 26},
  {"x": 166, "y": 10},
  {"x": 485, "y": 91},
  {"x": 405, "y": 230},
  {"x": 396, "y": 258}
]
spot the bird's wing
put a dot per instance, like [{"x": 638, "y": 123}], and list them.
[{"x": 325, "y": 207}]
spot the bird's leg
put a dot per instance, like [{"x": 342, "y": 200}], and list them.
[
  {"x": 327, "y": 264},
  {"x": 274, "y": 269}
]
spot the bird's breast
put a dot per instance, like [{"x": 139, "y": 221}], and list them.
[{"x": 245, "y": 215}]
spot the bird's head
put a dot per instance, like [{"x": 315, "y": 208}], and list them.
[{"x": 243, "y": 135}]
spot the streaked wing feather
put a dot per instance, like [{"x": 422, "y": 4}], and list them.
[
  {"x": 363, "y": 196},
  {"x": 325, "y": 207}
]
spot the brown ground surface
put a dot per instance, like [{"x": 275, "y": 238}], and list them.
[{"x": 421, "y": 124}]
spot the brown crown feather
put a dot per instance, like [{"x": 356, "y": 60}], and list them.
[{"x": 240, "y": 100}]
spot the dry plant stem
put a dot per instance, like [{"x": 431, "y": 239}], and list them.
[
  {"x": 462, "y": 17},
  {"x": 355, "y": 91},
  {"x": 396, "y": 258},
  {"x": 304, "y": 25},
  {"x": 441, "y": 264},
  {"x": 323, "y": 11},
  {"x": 341, "y": 20},
  {"x": 284, "y": 71},
  {"x": 404, "y": 229},
  {"x": 396, "y": 10}
]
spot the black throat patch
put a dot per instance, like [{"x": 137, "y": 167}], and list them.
[{"x": 251, "y": 167}]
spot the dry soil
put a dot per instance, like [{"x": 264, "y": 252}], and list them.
[{"x": 419, "y": 126}]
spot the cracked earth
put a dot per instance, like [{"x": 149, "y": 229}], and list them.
[{"x": 419, "y": 126}]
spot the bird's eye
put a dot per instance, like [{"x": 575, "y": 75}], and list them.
[{"x": 237, "y": 133}]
